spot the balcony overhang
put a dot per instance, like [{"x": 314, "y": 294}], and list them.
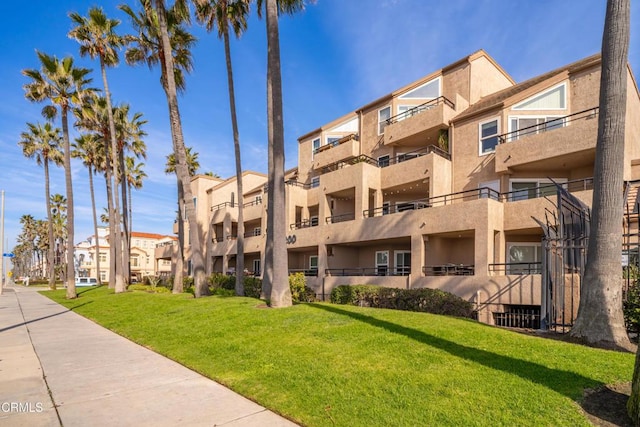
[
  {"x": 420, "y": 128},
  {"x": 343, "y": 149}
]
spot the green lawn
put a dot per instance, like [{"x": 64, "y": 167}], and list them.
[{"x": 325, "y": 365}]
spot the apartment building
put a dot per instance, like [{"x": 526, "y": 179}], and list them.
[
  {"x": 143, "y": 261},
  {"x": 443, "y": 183}
]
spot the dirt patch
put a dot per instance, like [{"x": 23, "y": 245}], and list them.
[{"x": 606, "y": 406}]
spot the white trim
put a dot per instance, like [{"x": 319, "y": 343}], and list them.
[
  {"x": 516, "y": 107},
  {"x": 382, "y": 265},
  {"x": 313, "y": 148},
  {"x": 379, "y": 121},
  {"x": 498, "y": 126}
]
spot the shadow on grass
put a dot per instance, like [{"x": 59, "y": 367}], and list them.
[{"x": 566, "y": 383}]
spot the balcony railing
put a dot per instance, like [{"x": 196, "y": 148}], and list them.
[
  {"x": 296, "y": 183},
  {"x": 252, "y": 233},
  {"x": 340, "y": 218},
  {"x": 516, "y": 268},
  {"x": 555, "y": 123},
  {"x": 449, "y": 270},
  {"x": 364, "y": 271},
  {"x": 547, "y": 190},
  {"x": 305, "y": 223},
  {"x": 222, "y": 205},
  {"x": 447, "y": 199},
  {"x": 420, "y": 108},
  {"x": 257, "y": 201},
  {"x": 348, "y": 162},
  {"x": 413, "y": 154},
  {"x": 309, "y": 272},
  {"x": 347, "y": 138}
]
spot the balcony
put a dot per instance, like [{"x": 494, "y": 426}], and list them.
[
  {"x": 349, "y": 216},
  {"x": 343, "y": 149},
  {"x": 449, "y": 270},
  {"x": 562, "y": 143},
  {"x": 419, "y": 124},
  {"x": 401, "y": 169},
  {"x": 517, "y": 268}
]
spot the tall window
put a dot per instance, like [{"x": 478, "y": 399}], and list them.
[
  {"x": 384, "y": 114},
  {"x": 489, "y": 136},
  {"x": 382, "y": 263},
  {"x": 403, "y": 263},
  {"x": 523, "y": 257},
  {"x": 103, "y": 256},
  {"x": 313, "y": 263},
  {"x": 528, "y": 125},
  {"x": 315, "y": 144}
]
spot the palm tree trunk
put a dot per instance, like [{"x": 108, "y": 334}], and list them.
[
  {"x": 600, "y": 319},
  {"x": 50, "y": 267},
  {"x": 178, "y": 278},
  {"x": 95, "y": 225},
  {"x": 70, "y": 268},
  {"x": 236, "y": 146},
  {"x": 120, "y": 285},
  {"x": 126, "y": 257},
  {"x": 112, "y": 233},
  {"x": 280, "y": 291},
  {"x": 197, "y": 260}
]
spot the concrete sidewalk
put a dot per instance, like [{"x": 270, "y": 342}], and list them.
[{"x": 58, "y": 368}]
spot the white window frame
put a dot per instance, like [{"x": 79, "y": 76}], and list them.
[
  {"x": 546, "y": 117},
  {"x": 517, "y": 107},
  {"x": 480, "y": 138},
  {"x": 406, "y": 269},
  {"x": 386, "y": 265},
  {"x": 381, "y": 122},
  {"x": 313, "y": 146}
]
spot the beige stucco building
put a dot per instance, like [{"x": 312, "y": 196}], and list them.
[{"x": 437, "y": 184}]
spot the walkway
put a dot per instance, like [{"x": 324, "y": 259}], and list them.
[{"x": 59, "y": 368}]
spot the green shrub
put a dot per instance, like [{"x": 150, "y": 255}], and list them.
[
  {"x": 223, "y": 281},
  {"x": 252, "y": 287},
  {"x": 187, "y": 282},
  {"x": 300, "y": 292},
  {"x": 631, "y": 305},
  {"x": 424, "y": 300}
]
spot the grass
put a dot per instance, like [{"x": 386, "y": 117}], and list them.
[{"x": 324, "y": 365}]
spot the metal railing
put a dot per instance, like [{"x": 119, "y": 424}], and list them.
[
  {"x": 526, "y": 318},
  {"x": 252, "y": 234},
  {"x": 413, "y": 154},
  {"x": 346, "y": 138},
  {"x": 447, "y": 199},
  {"x": 255, "y": 202},
  {"x": 360, "y": 271},
  {"x": 420, "y": 109},
  {"x": 556, "y": 123},
  {"x": 516, "y": 268},
  {"x": 340, "y": 218},
  {"x": 449, "y": 270},
  {"x": 349, "y": 162},
  {"x": 296, "y": 183},
  {"x": 309, "y": 272},
  {"x": 305, "y": 223},
  {"x": 547, "y": 190},
  {"x": 222, "y": 205}
]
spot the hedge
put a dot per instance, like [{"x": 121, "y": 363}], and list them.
[{"x": 424, "y": 300}]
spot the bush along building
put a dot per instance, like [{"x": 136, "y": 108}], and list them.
[{"x": 446, "y": 183}]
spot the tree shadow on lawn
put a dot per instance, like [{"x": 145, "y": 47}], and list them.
[{"x": 560, "y": 381}]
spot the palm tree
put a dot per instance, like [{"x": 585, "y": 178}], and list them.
[
  {"x": 97, "y": 38},
  {"x": 275, "y": 282},
  {"x": 63, "y": 85},
  {"x": 27, "y": 239},
  {"x": 59, "y": 210},
  {"x": 222, "y": 14},
  {"x": 89, "y": 149},
  {"x": 159, "y": 31},
  {"x": 194, "y": 165},
  {"x": 42, "y": 142},
  {"x": 134, "y": 174}
]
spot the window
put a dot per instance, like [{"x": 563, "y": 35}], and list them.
[
  {"x": 313, "y": 221},
  {"x": 524, "y": 189},
  {"x": 489, "y": 136},
  {"x": 554, "y": 98},
  {"x": 103, "y": 275},
  {"x": 406, "y": 111},
  {"x": 313, "y": 263},
  {"x": 427, "y": 90},
  {"x": 382, "y": 263},
  {"x": 385, "y": 208},
  {"x": 383, "y": 161},
  {"x": 333, "y": 140},
  {"x": 384, "y": 114},
  {"x": 256, "y": 267},
  {"x": 528, "y": 125},
  {"x": 315, "y": 145},
  {"x": 403, "y": 157},
  {"x": 520, "y": 255},
  {"x": 134, "y": 261},
  {"x": 315, "y": 182},
  {"x": 258, "y": 200},
  {"x": 103, "y": 256},
  {"x": 257, "y": 231},
  {"x": 403, "y": 263},
  {"x": 405, "y": 206},
  {"x": 485, "y": 188}
]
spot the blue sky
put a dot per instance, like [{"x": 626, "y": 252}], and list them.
[{"x": 337, "y": 55}]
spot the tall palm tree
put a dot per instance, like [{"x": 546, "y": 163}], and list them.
[
  {"x": 162, "y": 40},
  {"x": 98, "y": 39},
  {"x": 129, "y": 135},
  {"x": 42, "y": 142},
  {"x": 92, "y": 116},
  {"x": 135, "y": 175},
  {"x": 194, "y": 165},
  {"x": 63, "y": 85},
  {"x": 88, "y": 148},
  {"x": 222, "y": 14},
  {"x": 275, "y": 278},
  {"x": 59, "y": 216}
]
